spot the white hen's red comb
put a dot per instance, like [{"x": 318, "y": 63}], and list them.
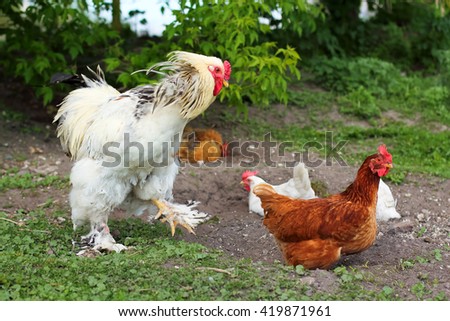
[{"x": 248, "y": 174}]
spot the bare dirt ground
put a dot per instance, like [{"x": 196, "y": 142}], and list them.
[{"x": 423, "y": 202}]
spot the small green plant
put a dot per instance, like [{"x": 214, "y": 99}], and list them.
[
  {"x": 421, "y": 232},
  {"x": 347, "y": 276},
  {"x": 300, "y": 270},
  {"x": 435, "y": 103},
  {"x": 437, "y": 254},
  {"x": 397, "y": 177},
  {"x": 12, "y": 116},
  {"x": 387, "y": 292},
  {"x": 406, "y": 264},
  {"x": 441, "y": 296},
  {"x": 422, "y": 260},
  {"x": 420, "y": 290},
  {"x": 360, "y": 103},
  {"x": 434, "y": 96},
  {"x": 320, "y": 188}
]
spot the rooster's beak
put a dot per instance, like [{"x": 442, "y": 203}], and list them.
[
  {"x": 389, "y": 165},
  {"x": 225, "y": 83},
  {"x": 242, "y": 183}
]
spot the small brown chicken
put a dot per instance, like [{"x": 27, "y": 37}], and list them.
[
  {"x": 315, "y": 232},
  {"x": 201, "y": 145}
]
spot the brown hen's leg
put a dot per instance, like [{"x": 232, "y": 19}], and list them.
[{"x": 183, "y": 215}]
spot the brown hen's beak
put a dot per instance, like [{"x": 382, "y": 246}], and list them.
[
  {"x": 225, "y": 83},
  {"x": 389, "y": 165}
]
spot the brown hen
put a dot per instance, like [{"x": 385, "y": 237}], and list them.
[
  {"x": 315, "y": 232},
  {"x": 201, "y": 145}
]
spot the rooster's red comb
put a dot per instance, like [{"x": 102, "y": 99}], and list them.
[
  {"x": 248, "y": 174},
  {"x": 383, "y": 151},
  {"x": 227, "y": 71}
]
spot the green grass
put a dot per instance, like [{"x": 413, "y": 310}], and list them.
[
  {"x": 159, "y": 268},
  {"x": 419, "y": 139},
  {"x": 13, "y": 180},
  {"x": 306, "y": 98},
  {"x": 414, "y": 149},
  {"x": 420, "y": 145},
  {"x": 37, "y": 263}
]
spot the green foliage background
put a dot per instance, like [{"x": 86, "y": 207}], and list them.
[
  {"x": 262, "y": 39},
  {"x": 48, "y": 37}
]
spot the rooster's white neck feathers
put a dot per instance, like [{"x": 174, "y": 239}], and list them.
[
  {"x": 187, "y": 88},
  {"x": 194, "y": 81}
]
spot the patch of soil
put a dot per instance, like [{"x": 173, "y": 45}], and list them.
[{"x": 423, "y": 202}]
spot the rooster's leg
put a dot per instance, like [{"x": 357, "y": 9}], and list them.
[
  {"x": 92, "y": 198},
  {"x": 100, "y": 239},
  {"x": 175, "y": 214}
]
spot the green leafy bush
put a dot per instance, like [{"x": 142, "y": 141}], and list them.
[
  {"x": 435, "y": 96},
  {"x": 407, "y": 33},
  {"x": 412, "y": 34},
  {"x": 444, "y": 67},
  {"x": 230, "y": 30},
  {"x": 57, "y": 36},
  {"x": 426, "y": 29},
  {"x": 48, "y": 37},
  {"x": 347, "y": 75},
  {"x": 435, "y": 103},
  {"x": 390, "y": 44}
]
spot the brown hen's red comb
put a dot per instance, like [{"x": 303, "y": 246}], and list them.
[
  {"x": 227, "y": 71},
  {"x": 248, "y": 174},
  {"x": 383, "y": 151}
]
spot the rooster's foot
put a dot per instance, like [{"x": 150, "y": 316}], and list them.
[
  {"x": 178, "y": 214},
  {"x": 99, "y": 240}
]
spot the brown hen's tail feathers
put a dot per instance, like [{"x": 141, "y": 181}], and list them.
[
  {"x": 263, "y": 190},
  {"x": 272, "y": 202}
]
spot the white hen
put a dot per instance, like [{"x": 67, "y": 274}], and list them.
[
  {"x": 386, "y": 203},
  {"x": 124, "y": 143},
  {"x": 299, "y": 186}
]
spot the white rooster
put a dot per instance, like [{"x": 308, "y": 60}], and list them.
[
  {"x": 299, "y": 186},
  {"x": 124, "y": 144}
]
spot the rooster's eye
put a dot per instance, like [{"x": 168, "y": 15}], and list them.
[{"x": 217, "y": 69}]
